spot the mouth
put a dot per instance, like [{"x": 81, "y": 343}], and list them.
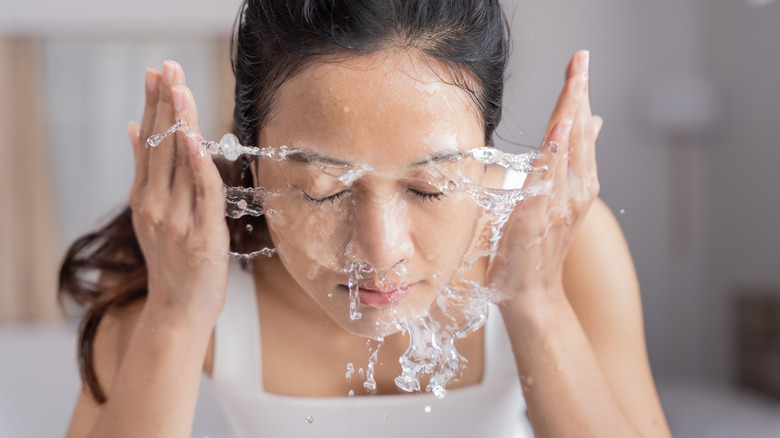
[{"x": 376, "y": 296}]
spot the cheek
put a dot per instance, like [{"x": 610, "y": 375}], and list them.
[
  {"x": 306, "y": 238},
  {"x": 443, "y": 233}
]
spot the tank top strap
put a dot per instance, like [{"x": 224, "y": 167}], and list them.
[
  {"x": 237, "y": 351},
  {"x": 499, "y": 359},
  {"x": 513, "y": 180}
]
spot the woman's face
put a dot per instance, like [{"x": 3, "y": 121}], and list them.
[{"x": 376, "y": 137}]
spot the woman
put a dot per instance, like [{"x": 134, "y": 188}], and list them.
[{"x": 387, "y": 85}]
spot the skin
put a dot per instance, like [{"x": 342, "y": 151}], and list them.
[
  {"x": 575, "y": 324},
  {"x": 390, "y": 215}
]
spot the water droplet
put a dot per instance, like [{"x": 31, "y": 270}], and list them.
[
  {"x": 229, "y": 147},
  {"x": 310, "y": 419},
  {"x": 436, "y": 274},
  {"x": 346, "y": 109},
  {"x": 155, "y": 140},
  {"x": 241, "y": 204},
  {"x": 402, "y": 270},
  {"x": 350, "y": 370},
  {"x": 330, "y": 296},
  {"x": 270, "y": 212},
  {"x": 622, "y": 211},
  {"x": 428, "y": 409},
  {"x": 387, "y": 417},
  {"x": 249, "y": 228},
  {"x": 351, "y": 393}
]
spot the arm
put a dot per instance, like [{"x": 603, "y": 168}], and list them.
[
  {"x": 151, "y": 359},
  {"x": 582, "y": 355},
  {"x": 139, "y": 364},
  {"x": 602, "y": 288},
  {"x": 572, "y": 301}
]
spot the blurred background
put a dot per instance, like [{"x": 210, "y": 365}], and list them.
[{"x": 688, "y": 159}]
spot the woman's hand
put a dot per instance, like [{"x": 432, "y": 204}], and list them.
[
  {"x": 178, "y": 207},
  {"x": 537, "y": 237}
]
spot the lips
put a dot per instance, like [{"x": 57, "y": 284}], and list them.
[{"x": 375, "y": 296}]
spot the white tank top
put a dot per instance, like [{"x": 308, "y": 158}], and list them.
[{"x": 492, "y": 408}]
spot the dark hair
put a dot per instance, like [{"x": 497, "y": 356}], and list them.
[
  {"x": 275, "y": 39},
  {"x": 466, "y": 39}
]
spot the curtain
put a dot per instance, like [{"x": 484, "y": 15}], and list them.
[{"x": 29, "y": 250}]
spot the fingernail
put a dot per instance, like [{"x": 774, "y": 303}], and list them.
[
  {"x": 167, "y": 77},
  {"x": 178, "y": 98},
  {"x": 151, "y": 84},
  {"x": 584, "y": 63},
  {"x": 599, "y": 122},
  {"x": 579, "y": 87},
  {"x": 194, "y": 148}
]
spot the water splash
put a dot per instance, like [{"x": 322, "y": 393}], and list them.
[
  {"x": 243, "y": 201},
  {"x": 462, "y": 306},
  {"x": 228, "y": 146},
  {"x": 517, "y": 162},
  {"x": 370, "y": 383},
  {"x": 265, "y": 252}
]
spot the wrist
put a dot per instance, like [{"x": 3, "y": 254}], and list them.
[
  {"x": 538, "y": 308},
  {"x": 177, "y": 323}
]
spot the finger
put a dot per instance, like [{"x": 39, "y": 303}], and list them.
[
  {"x": 551, "y": 154},
  {"x": 593, "y": 134},
  {"x": 579, "y": 148},
  {"x": 183, "y": 190},
  {"x": 574, "y": 89},
  {"x": 133, "y": 129},
  {"x": 579, "y": 144},
  {"x": 558, "y": 173},
  {"x": 209, "y": 193},
  {"x": 152, "y": 85},
  {"x": 162, "y": 157},
  {"x": 578, "y": 64}
]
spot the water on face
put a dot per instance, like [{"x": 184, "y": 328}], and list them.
[{"x": 461, "y": 305}]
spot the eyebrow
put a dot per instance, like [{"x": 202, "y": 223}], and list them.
[{"x": 308, "y": 157}]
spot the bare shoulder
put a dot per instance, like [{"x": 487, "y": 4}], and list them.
[
  {"x": 602, "y": 287},
  {"x": 111, "y": 342}
]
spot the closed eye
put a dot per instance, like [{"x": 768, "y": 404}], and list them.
[
  {"x": 425, "y": 196},
  {"x": 332, "y": 198}
]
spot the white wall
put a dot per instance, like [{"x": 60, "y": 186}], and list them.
[
  {"x": 56, "y": 17},
  {"x": 634, "y": 45},
  {"x": 743, "y": 55}
]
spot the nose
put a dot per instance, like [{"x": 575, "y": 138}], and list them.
[{"x": 381, "y": 233}]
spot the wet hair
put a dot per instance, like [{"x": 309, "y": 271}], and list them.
[{"x": 465, "y": 41}]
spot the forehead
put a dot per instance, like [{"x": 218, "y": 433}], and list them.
[{"x": 388, "y": 109}]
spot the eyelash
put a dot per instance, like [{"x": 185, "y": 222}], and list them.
[
  {"x": 427, "y": 196},
  {"x": 333, "y": 198}
]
